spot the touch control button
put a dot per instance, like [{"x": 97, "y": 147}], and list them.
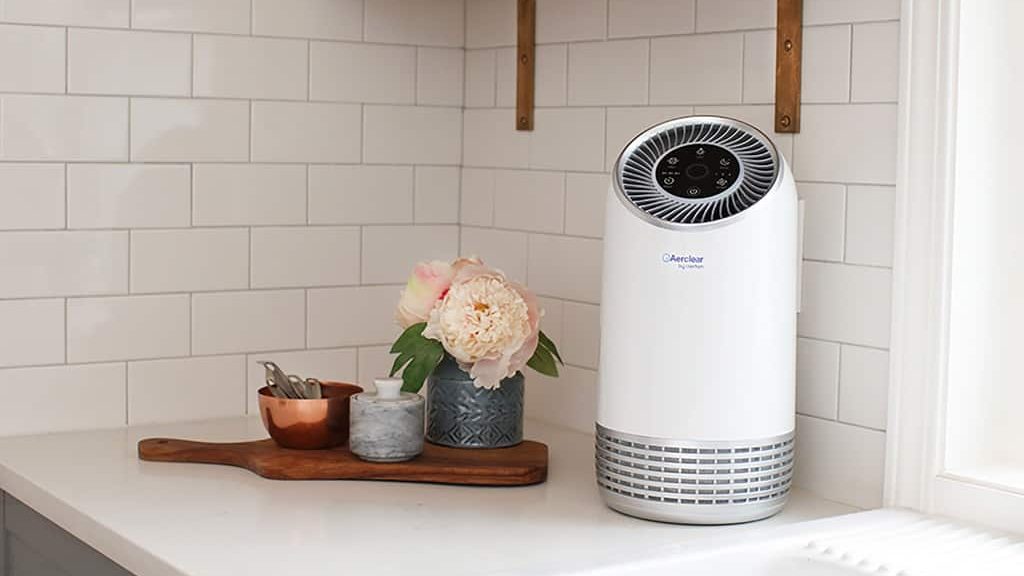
[{"x": 695, "y": 171}]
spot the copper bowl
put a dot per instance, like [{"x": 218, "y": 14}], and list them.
[{"x": 308, "y": 424}]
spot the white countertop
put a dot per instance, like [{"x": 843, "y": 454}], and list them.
[{"x": 159, "y": 519}]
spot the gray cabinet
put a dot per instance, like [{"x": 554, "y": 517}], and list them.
[{"x": 31, "y": 545}]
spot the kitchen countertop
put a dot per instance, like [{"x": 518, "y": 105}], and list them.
[{"x": 159, "y": 519}]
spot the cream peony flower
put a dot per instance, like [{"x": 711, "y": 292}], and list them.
[
  {"x": 488, "y": 324},
  {"x": 426, "y": 286}
]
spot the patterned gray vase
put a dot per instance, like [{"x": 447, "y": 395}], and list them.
[{"x": 461, "y": 415}]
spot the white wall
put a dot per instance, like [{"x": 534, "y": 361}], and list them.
[
  {"x": 532, "y": 202},
  {"x": 189, "y": 185}
]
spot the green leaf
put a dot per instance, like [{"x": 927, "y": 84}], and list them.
[
  {"x": 417, "y": 354},
  {"x": 409, "y": 336},
  {"x": 427, "y": 358},
  {"x": 400, "y": 362},
  {"x": 549, "y": 345},
  {"x": 544, "y": 362}
]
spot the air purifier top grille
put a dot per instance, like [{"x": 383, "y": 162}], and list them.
[{"x": 696, "y": 170}]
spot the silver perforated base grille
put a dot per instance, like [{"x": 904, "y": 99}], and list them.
[{"x": 692, "y": 481}]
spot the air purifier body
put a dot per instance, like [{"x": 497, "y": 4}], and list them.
[{"x": 696, "y": 382}]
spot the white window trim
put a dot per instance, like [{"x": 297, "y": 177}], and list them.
[{"x": 915, "y": 473}]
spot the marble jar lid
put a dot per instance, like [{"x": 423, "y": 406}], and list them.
[{"x": 389, "y": 390}]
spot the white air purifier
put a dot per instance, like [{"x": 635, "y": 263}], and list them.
[{"x": 698, "y": 325}]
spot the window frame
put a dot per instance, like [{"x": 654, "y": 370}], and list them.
[{"x": 916, "y": 476}]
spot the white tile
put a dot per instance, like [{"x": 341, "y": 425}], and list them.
[
  {"x": 424, "y": 23},
  {"x": 31, "y": 196},
  {"x": 564, "y": 267},
  {"x": 437, "y": 195},
  {"x": 187, "y": 260},
  {"x": 75, "y": 397},
  {"x": 391, "y": 252},
  {"x": 128, "y": 196},
  {"x": 817, "y": 378},
  {"x": 324, "y": 365},
  {"x": 876, "y": 62},
  {"x": 189, "y": 130},
  {"x": 836, "y": 11},
  {"x": 529, "y": 200},
  {"x": 480, "y": 70},
  {"x": 569, "y": 401},
  {"x": 477, "y": 203},
  {"x": 305, "y": 132},
  {"x": 412, "y": 135},
  {"x": 352, "y": 316},
  {"x": 490, "y": 23},
  {"x": 228, "y": 16},
  {"x": 168, "y": 390},
  {"x": 582, "y": 327},
  {"x": 360, "y": 194},
  {"x": 550, "y": 76},
  {"x": 608, "y": 73},
  {"x": 330, "y": 19},
  {"x": 237, "y": 67},
  {"x": 31, "y": 59},
  {"x": 634, "y": 18},
  {"x": 571, "y": 20},
  {"x": 491, "y": 140},
  {"x": 33, "y": 332},
  {"x": 374, "y": 362},
  {"x": 840, "y": 462},
  {"x": 439, "y": 76},
  {"x": 830, "y": 136},
  {"x": 64, "y": 128},
  {"x": 716, "y": 59},
  {"x": 864, "y": 386},
  {"x": 760, "y": 116},
  {"x": 870, "y": 220},
  {"x": 585, "y": 196},
  {"x": 759, "y": 67},
  {"x": 551, "y": 322},
  {"x": 502, "y": 249},
  {"x": 128, "y": 63},
  {"x": 228, "y": 322},
  {"x": 298, "y": 257},
  {"x": 39, "y": 264},
  {"x": 248, "y": 194},
  {"x": 374, "y": 73},
  {"x": 127, "y": 327},
  {"x": 826, "y": 64},
  {"x": 716, "y": 15},
  {"x": 99, "y": 13},
  {"x": 624, "y": 124},
  {"x": 824, "y": 220},
  {"x": 845, "y": 303},
  {"x": 568, "y": 139}
]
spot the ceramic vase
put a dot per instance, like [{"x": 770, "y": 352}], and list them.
[{"x": 460, "y": 415}]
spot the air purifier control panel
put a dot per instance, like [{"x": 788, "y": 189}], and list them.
[{"x": 697, "y": 171}]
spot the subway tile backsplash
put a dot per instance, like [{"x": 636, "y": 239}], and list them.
[{"x": 189, "y": 186}]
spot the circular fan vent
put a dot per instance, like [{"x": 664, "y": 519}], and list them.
[{"x": 696, "y": 170}]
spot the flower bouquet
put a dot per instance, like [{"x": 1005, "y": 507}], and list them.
[{"x": 469, "y": 332}]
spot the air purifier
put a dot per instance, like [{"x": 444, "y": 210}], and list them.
[{"x": 696, "y": 381}]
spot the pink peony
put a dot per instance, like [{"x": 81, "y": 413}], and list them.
[
  {"x": 427, "y": 285},
  {"x": 487, "y": 323}
]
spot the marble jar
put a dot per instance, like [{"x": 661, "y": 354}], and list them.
[{"x": 387, "y": 426}]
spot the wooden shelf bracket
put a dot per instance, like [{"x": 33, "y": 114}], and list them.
[
  {"x": 526, "y": 31},
  {"x": 788, "y": 49}
]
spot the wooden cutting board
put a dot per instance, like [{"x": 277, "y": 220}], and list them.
[{"x": 519, "y": 465}]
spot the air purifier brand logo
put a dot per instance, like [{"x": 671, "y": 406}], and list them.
[{"x": 683, "y": 261}]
